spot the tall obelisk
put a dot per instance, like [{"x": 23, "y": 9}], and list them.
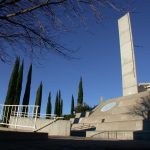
[{"x": 129, "y": 79}]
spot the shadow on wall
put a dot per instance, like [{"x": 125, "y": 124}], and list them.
[
  {"x": 142, "y": 109},
  {"x": 143, "y": 134}
]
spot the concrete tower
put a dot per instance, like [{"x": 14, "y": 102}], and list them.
[{"x": 129, "y": 79}]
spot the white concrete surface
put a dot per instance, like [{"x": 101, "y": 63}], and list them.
[
  {"x": 129, "y": 79},
  {"x": 57, "y": 128}
]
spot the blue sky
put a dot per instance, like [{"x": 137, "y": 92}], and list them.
[{"x": 99, "y": 62}]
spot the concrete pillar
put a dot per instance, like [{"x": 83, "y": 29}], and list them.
[{"x": 129, "y": 79}]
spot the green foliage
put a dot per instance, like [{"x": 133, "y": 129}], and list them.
[
  {"x": 49, "y": 106},
  {"x": 82, "y": 108},
  {"x": 26, "y": 96},
  {"x": 39, "y": 97},
  {"x": 19, "y": 85},
  {"x": 67, "y": 117},
  {"x": 80, "y": 93},
  {"x": 61, "y": 107},
  {"x": 72, "y": 105},
  {"x": 11, "y": 92},
  {"x": 58, "y": 104}
]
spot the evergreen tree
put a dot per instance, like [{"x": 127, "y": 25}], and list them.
[
  {"x": 59, "y": 103},
  {"x": 49, "y": 105},
  {"x": 19, "y": 85},
  {"x": 11, "y": 92},
  {"x": 61, "y": 107},
  {"x": 72, "y": 105},
  {"x": 56, "y": 105},
  {"x": 26, "y": 96},
  {"x": 39, "y": 98},
  {"x": 80, "y": 93}
]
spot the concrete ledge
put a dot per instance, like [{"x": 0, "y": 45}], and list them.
[
  {"x": 78, "y": 115},
  {"x": 58, "y": 128},
  {"x": 119, "y": 135},
  {"x": 123, "y": 125}
]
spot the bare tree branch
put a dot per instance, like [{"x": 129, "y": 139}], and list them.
[
  {"x": 30, "y": 25},
  {"x": 142, "y": 108},
  {"x": 32, "y": 8}
]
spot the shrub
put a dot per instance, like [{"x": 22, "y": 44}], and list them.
[{"x": 82, "y": 108}]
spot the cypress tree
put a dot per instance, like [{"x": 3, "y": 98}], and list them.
[
  {"x": 19, "y": 85},
  {"x": 11, "y": 92},
  {"x": 72, "y": 105},
  {"x": 39, "y": 97},
  {"x": 26, "y": 96},
  {"x": 59, "y": 103},
  {"x": 56, "y": 105},
  {"x": 49, "y": 105},
  {"x": 61, "y": 107},
  {"x": 80, "y": 93}
]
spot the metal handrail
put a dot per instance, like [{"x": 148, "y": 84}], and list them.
[{"x": 7, "y": 112}]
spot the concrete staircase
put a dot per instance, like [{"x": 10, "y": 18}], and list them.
[
  {"x": 81, "y": 129},
  {"x": 117, "y": 123}
]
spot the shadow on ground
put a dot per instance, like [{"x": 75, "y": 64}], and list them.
[{"x": 72, "y": 143}]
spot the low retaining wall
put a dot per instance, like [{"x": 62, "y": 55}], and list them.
[
  {"x": 57, "y": 128},
  {"x": 133, "y": 125},
  {"x": 111, "y": 135}
]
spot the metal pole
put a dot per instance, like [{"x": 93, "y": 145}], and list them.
[{"x": 35, "y": 118}]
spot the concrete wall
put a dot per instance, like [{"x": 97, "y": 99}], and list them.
[
  {"x": 58, "y": 128},
  {"x": 119, "y": 112},
  {"x": 114, "y": 135},
  {"x": 120, "y": 126},
  {"x": 119, "y": 135}
]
